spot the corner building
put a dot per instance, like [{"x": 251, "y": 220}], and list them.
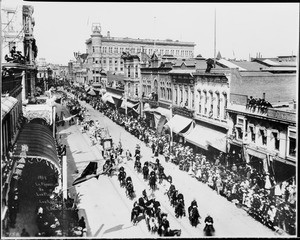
[{"x": 104, "y": 52}]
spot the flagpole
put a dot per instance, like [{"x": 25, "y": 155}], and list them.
[{"x": 215, "y": 40}]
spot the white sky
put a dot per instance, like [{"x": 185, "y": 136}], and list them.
[{"x": 242, "y": 28}]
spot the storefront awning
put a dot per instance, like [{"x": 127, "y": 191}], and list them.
[
  {"x": 178, "y": 123},
  {"x": 198, "y": 137},
  {"x": 218, "y": 141},
  {"x": 40, "y": 142},
  {"x": 107, "y": 98},
  {"x": 7, "y": 104},
  {"x": 202, "y": 136}
]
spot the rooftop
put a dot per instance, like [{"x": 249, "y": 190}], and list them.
[{"x": 139, "y": 40}]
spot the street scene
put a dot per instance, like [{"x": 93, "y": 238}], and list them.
[{"x": 146, "y": 138}]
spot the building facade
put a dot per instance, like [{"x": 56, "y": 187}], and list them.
[
  {"x": 104, "y": 52},
  {"x": 156, "y": 88},
  {"x": 267, "y": 139},
  {"x": 18, "y": 84}
]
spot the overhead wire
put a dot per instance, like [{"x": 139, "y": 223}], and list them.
[
  {"x": 22, "y": 30},
  {"x": 10, "y": 19}
]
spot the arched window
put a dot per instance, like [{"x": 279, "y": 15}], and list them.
[
  {"x": 218, "y": 104},
  {"x": 225, "y": 104},
  {"x": 200, "y": 101},
  {"x": 193, "y": 100},
  {"x": 136, "y": 71}
]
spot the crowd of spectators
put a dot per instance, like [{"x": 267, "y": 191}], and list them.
[
  {"x": 258, "y": 103},
  {"x": 237, "y": 181}
]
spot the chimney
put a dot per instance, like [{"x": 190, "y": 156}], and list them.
[
  {"x": 264, "y": 96},
  {"x": 108, "y": 34}
]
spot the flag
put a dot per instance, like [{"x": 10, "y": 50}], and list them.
[{"x": 89, "y": 172}]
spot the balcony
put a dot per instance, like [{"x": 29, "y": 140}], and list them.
[{"x": 267, "y": 113}]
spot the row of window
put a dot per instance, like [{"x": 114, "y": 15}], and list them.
[
  {"x": 166, "y": 93},
  {"x": 207, "y": 108},
  {"x": 130, "y": 72},
  {"x": 104, "y": 61},
  {"x": 259, "y": 136},
  {"x": 105, "y": 49}
]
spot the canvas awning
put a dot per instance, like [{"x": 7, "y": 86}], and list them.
[
  {"x": 7, "y": 104},
  {"x": 179, "y": 123},
  {"x": 198, "y": 137},
  {"x": 202, "y": 136},
  {"x": 107, "y": 98},
  {"x": 40, "y": 142}
]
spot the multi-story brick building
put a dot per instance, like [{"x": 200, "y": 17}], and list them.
[
  {"x": 104, "y": 52},
  {"x": 156, "y": 91}
]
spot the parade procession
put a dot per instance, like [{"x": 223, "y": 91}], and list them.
[{"x": 145, "y": 138}]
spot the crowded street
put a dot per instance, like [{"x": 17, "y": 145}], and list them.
[
  {"x": 111, "y": 132},
  {"x": 107, "y": 210}
]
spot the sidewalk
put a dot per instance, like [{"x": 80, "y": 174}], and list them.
[{"x": 80, "y": 152}]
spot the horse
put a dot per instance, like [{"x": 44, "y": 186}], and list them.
[
  {"x": 170, "y": 191},
  {"x": 121, "y": 178},
  {"x": 129, "y": 190},
  {"x": 194, "y": 216},
  {"x": 209, "y": 230},
  {"x": 145, "y": 172},
  {"x": 179, "y": 209},
  {"x": 135, "y": 213},
  {"x": 138, "y": 166},
  {"x": 152, "y": 182},
  {"x": 174, "y": 198},
  {"x": 162, "y": 176}
]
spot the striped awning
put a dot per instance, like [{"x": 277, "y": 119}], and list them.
[
  {"x": 179, "y": 123},
  {"x": 40, "y": 144},
  {"x": 7, "y": 104}
]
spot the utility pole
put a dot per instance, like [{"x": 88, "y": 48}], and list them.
[{"x": 1, "y": 60}]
